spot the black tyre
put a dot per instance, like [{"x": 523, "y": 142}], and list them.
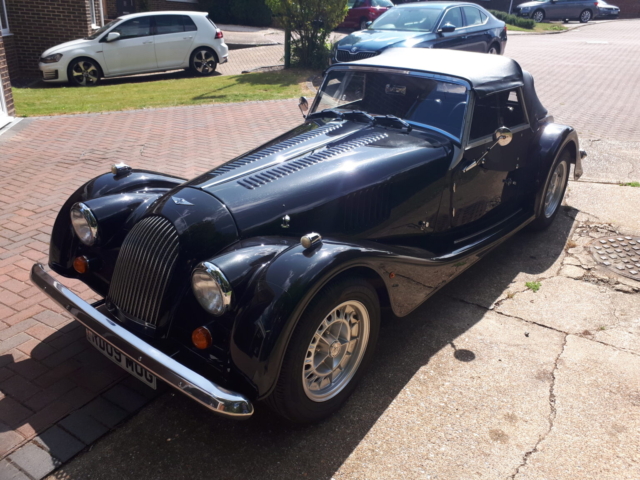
[
  {"x": 329, "y": 351},
  {"x": 363, "y": 23},
  {"x": 84, "y": 72},
  {"x": 203, "y": 62},
  {"x": 494, "y": 49},
  {"x": 585, "y": 16},
  {"x": 554, "y": 190},
  {"x": 538, "y": 16}
]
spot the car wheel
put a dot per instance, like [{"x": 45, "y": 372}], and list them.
[
  {"x": 363, "y": 24},
  {"x": 203, "y": 62},
  {"x": 585, "y": 16},
  {"x": 554, "y": 189},
  {"x": 538, "y": 16},
  {"x": 494, "y": 49},
  {"x": 329, "y": 351},
  {"x": 84, "y": 72}
]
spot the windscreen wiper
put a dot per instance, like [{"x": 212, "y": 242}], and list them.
[
  {"x": 391, "y": 121},
  {"x": 358, "y": 116},
  {"x": 326, "y": 113}
]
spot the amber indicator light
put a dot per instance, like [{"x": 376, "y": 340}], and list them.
[
  {"x": 201, "y": 338},
  {"x": 392, "y": 275},
  {"x": 81, "y": 264}
]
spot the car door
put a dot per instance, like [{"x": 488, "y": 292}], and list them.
[
  {"x": 173, "y": 38},
  {"x": 453, "y": 40},
  {"x": 133, "y": 51},
  {"x": 557, "y": 10},
  {"x": 478, "y": 37},
  {"x": 485, "y": 195}
]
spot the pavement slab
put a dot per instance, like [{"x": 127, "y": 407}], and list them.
[
  {"x": 595, "y": 433},
  {"x": 595, "y": 199}
]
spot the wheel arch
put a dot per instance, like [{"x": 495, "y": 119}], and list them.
[{"x": 208, "y": 47}]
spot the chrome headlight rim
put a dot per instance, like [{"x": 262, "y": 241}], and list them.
[
  {"x": 221, "y": 283},
  {"x": 90, "y": 220}
]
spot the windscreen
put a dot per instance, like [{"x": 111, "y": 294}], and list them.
[
  {"x": 421, "y": 19},
  {"x": 421, "y": 100}
]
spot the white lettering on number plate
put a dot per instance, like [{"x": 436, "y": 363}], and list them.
[{"x": 116, "y": 356}]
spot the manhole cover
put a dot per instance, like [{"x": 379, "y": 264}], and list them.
[{"x": 621, "y": 254}]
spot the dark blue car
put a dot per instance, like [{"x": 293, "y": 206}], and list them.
[{"x": 454, "y": 25}]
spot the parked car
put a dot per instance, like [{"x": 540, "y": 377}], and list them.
[
  {"x": 453, "y": 25},
  {"x": 606, "y": 10},
  {"x": 138, "y": 43},
  {"x": 582, "y": 10},
  {"x": 263, "y": 279},
  {"x": 363, "y": 11}
]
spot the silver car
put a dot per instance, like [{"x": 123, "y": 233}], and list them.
[{"x": 581, "y": 10}]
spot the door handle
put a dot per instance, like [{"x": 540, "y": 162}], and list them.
[
  {"x": 187, "y": 38},
  {"x": 146, "y": 43}
]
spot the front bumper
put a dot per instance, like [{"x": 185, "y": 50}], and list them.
[
  {"x": 164, "y": 367},
  {"x": 53, "y": 72}
]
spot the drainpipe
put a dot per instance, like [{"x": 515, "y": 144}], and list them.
[{"x": 102, "y": 13}]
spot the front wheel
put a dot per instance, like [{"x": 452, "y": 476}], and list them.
[
  {"x": 84, "y": 72},
  {"x": 329, "y": 351},
  {"x": 554, "y": 190},
  {"x": 585, "y": 16},
  {"x": 203, "y": 62},
  {"x": 538, "y": 16}
]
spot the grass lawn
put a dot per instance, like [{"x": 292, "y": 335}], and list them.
[
  {"x": 539, "y": 27},
  {"x": 166, "y": 90}
]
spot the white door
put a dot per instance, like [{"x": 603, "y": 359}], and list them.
[
  {"x": 173, "y": 39},
  {"x": 133, "y": 52},
  {"x": 4, "y": 116}
]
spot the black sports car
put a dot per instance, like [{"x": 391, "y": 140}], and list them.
[
  {"x": 452, "y": 25},
  {"x": 264, "y": 278}
]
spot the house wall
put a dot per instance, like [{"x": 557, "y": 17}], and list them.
[
  {"x": 37, "y": 25},
  {"x": 4, "y": 79}
]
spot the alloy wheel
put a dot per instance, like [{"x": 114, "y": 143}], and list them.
[
  {"x": 538, "y": 16},
  {"x": 555, "y": 189},
  {"x": 336, "y": 351},
  {"x": 493, "y": 51},
  {"x": 585, "y": 16},
  {"x": 204, "y": 62},
  {"x": 85, "y": 73}
]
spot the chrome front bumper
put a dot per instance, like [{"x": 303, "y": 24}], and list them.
[{"x": 164, "y": 367}]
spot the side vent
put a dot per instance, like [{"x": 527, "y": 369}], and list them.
[
  {"x": 366, "y": 208},
  {"x": 241, "y": 162},
  {"x": 293, "y": 166}
]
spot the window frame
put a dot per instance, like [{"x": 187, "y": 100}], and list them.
[
  {"x": 472, "y": 143},
  {"x": 444, "y": 14},
  {"x": 154, "y": 25},
  {"x": 151, "y": 28},
  {"x": 5, "y": 30},
  {"x": 480, "y": 13}
]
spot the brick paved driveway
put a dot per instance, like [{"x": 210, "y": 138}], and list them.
[{"x": 45, "y": 373}]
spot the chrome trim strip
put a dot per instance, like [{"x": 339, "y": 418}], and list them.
[
  {"x": 464, "y": 239},
  {"x": 164, "y": 367}
]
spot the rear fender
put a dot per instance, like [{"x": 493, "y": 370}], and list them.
[{"x": 551, "y": 141}]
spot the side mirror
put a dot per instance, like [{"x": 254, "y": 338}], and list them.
[
  {"x": 368, "y": 24},
  {"x": 503, "y": 136},
  {"x": 303, "y": 105},
  {"x": 447, "y": 28},
  {"x": 112, "y": 36}
]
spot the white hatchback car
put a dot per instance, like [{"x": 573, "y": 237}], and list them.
[{"x": 138, "y": 43}]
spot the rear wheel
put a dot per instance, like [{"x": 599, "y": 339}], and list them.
[
  {"x": 494, "y": 49},
  {"x": 585, "y": 16},
  {"x": 538, "y": 16},
  {"x": 363, "y": 24},
  {"x": 554, "y": 190},
  {"x": 329, "y": 351},
  {"x": 203, "y": 62},
  {"x": 84, "y": 72}
]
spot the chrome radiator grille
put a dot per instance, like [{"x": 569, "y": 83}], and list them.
[
  {"x": 143, "y": 268},
  {"x": 346, "y": 56}
]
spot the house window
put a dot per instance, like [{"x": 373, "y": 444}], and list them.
[
  {"x": 92, "y": 8},
  {"x": 4, "y": 20}
]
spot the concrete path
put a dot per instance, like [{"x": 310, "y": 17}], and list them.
[{"x": 487, "y": 379}]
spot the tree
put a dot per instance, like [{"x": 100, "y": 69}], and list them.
[{"x": 310, "y": 22}]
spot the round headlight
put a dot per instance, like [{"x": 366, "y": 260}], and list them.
[
  {"x": 84, "y": 223},
  {"x": 211, "y": 288}
]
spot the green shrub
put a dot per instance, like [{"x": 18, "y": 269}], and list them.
[
  {"x": 513, "y": 20},
  {"x": 241, "y": 12}
]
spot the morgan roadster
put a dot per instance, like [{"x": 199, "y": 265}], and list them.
[{"x": 263, "y": 280}]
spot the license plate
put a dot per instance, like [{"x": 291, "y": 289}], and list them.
[{"x": 119, "y": 358}]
